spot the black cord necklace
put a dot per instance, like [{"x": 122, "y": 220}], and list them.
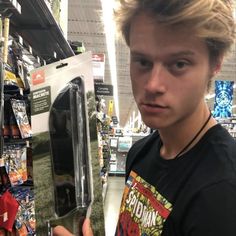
[{"x": 194, "y": 138}]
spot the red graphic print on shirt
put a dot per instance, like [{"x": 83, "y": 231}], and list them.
[{"x": 143, "y": 210}]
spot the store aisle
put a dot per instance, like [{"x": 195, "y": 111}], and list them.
[{"x": 112, "y": 203}]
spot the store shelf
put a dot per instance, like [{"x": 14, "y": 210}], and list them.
[
  {"x": 17, "y": 141},
  {"x": 117, "y": 173},
  {"x": 37, "y": 26}
]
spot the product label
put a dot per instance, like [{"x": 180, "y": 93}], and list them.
[
  {"x": 38, "y": 77},
  {"x": 41, "y": 100}
]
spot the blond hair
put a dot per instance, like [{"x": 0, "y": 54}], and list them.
[{"x": 211, "y": 20}]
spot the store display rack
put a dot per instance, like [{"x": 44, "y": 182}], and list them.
[
  {"x": 34, "y": 27},
  {"x": 228, "y": 123},
  {"x": 37, "y": 26}
]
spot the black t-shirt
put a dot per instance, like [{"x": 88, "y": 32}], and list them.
[{"x": 193, "y": 195}]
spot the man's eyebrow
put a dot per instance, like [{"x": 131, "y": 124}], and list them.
[
  {"x": 174, "y": 54},
  {"x": 182, "y": 53},
  {"x": 136, "y": 53}
]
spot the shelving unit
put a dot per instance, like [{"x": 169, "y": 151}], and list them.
[
  {"x": 119, "y": 147},
  {"x": 38, "y": 28},
  {"x": 229, "y": 124},
  {"x": 33, "y": 25}
]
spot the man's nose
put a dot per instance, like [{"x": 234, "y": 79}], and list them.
[{"x": 157, "y": 78}]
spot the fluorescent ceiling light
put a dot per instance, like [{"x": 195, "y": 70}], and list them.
[{"x": 109, "y": 26}]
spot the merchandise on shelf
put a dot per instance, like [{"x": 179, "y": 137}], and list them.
[
  {"x": 14, "y": 159},
  {"x": 16, "y": 163},
  {"x": 19, "y": 110},
  {"x": 103, "y": 132},
  {"x": 25, "y": 222},
  {"x": 5, "y": 183},
  {"x": 8, "y": 210},
  {"x": 230, "y": 124}
]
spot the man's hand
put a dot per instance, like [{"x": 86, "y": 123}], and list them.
[{"x": 62, "y": 231}]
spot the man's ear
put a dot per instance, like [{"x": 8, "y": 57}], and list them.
[{"x": 217, "y": 65}]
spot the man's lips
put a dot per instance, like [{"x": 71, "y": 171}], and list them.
[
  {"x": 150, "y": 107},
  {"x": 153, "y": 105}
]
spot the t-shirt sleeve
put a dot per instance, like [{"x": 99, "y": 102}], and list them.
[{"x": 213, "y": 211}]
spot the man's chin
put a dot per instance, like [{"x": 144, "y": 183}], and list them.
[{"x": 151, "y": 123}]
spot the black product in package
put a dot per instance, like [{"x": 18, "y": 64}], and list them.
[
  {"x": 65, "y": 147},
  {"x": 69, "y": 154}
]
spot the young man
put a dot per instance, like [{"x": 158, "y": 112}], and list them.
[{"x": 181, "y": 180}]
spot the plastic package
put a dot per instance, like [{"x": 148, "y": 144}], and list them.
[{"x": 68, "y": 135}]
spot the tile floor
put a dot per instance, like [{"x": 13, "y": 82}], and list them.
[{"x": 112, "y": 203}]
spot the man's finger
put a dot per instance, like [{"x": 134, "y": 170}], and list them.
[
  {"x": 87, "y": 230},
  {"x": 61, "y": 231}
]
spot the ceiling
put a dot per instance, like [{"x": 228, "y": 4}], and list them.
[{"x": 85, "y": 24}]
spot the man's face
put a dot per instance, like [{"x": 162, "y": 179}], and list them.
[{"x": 169, "y": 71}]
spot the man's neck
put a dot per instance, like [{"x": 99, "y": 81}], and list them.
[{"x": 175, "y": 138}]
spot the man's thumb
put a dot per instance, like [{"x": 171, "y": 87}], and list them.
[{"x": 87, "y": 230}]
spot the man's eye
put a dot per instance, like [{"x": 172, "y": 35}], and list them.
[
  {"x": 180, "y": 64},
  {"x": 143, "y": 62}
]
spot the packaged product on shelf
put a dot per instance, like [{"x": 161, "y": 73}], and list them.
[
  {"x": 4, "y": 178},
  {"x": 10, "y": 79},
  {"x": 27, "y": 107},
  {"x": 22, "y": 65},
  {"x": 25, "y": 218},
  {"x": 15, "y": 161},
  {"x": 8, "y": 210},
  {"x": 14, "y": 68},
  {"x": 23, "y": 78},
  {"x": 29, "y": 159},
  {"x": 11, "y": 129},
  {"x": 15, "y": 132},
  {"x": 6, "y": 124},
  {"x": 65, "y": 163},
  {"x": 19, "y": 110}
]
